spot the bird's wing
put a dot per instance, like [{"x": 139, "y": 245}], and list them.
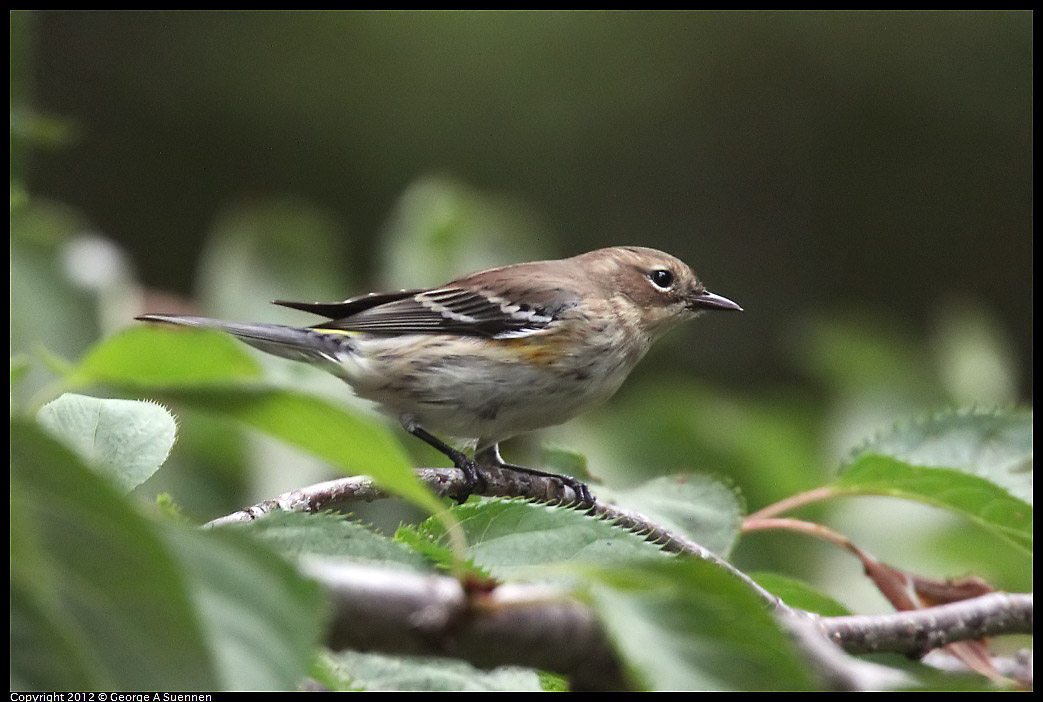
[
  {"x": 349, "y": 307},
  {"x": 446, "y": 310}
]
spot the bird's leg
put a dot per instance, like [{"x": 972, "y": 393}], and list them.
[
  {"x": 472, "y": 474},
  {"x": 490, "y": 456}
]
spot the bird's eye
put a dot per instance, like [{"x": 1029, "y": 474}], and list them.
[{"x": 661, "y": 278}]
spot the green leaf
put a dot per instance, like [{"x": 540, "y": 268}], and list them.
[
  {"x": 512, "y": 537},
  {"x": 797, "y": 593},
  {"x": 434, "y": 551},
  {"x": 700, "y": 507},
  {"x": 552, "y": 682},
  {"x": 102, "y": 599},
  {"x": 47, "y": 653},
  {"x": 169, "y": 508},
  {"x": 996, "y": 560},
  {"x": 98, "y": 602},
  {"x": 295, "y": 534},
  {"x": 686, "y": 624},
  {"x": 211, "y": 372},
  {"x": 980, "y": 500},
  {"x": 352, "y": 442},
  {"x": 353, "y": 670},
  {"x": 153, "y": 357},
  {"x": 973, "y": 462},
  {"x": 126, "y": 440},
  {"x": 996, "y": 446},
  {"x": 261, "y": 618}
]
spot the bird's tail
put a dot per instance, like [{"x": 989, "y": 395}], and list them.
[{"x": 307, "y": 345}]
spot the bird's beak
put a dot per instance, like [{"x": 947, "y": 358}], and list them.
[{"x": 706, "y": 300}]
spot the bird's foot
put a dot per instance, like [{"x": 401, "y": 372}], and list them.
[
  {"x": 584, "y": 499},
  {"x": 472, "y": 476}
]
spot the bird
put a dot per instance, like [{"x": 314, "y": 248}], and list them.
[{"x": 493, "y": 354}]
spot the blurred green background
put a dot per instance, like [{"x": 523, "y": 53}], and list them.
[
  {"x": 861, "y": 182},
  {"x": 800, "y": 162}
]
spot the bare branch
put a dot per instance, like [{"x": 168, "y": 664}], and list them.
[
  {"x": 406, "y": 613},
  {"x": 538, "y": 626},
  {"x": 450, "y": 482},
  {"x": 834, "y": 668},
  {"x": 920, "y": 630}
]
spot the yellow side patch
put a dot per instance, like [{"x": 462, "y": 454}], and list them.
[{"x": 538, "y": 349}]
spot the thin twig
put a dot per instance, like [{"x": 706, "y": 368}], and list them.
[
  {"x": 799, "y": 500},
  {"x": 819, "y": 531}
]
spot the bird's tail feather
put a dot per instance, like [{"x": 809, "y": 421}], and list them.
[{"x": 308, "y": 345}]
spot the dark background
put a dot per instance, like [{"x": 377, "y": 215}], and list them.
[{"x": 804, "y": 163}]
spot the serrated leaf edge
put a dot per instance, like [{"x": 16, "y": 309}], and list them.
[{"x": 868, "y": 445}]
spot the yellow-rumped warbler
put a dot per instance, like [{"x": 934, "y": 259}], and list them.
[{"x": 497, "y": 353}]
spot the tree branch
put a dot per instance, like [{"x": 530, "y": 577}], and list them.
[
  {"x": 920, "y": 630},
  {"x": 402, "y": 612},
  {"x": 406, "y": 613},
  {"x": 450, "y": 482},
  {"x": 519, "y": 624}
]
